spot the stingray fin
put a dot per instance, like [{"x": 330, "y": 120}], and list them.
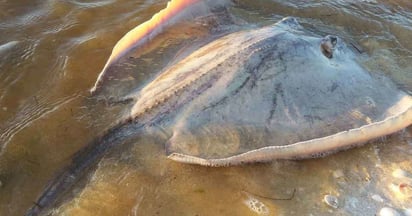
[{"x": 176, "y": 11}]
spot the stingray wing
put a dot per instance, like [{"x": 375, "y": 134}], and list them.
[{"x": 126, "y": 55}]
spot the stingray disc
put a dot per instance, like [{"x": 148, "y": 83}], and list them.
[{"x": 269, "y": 93}]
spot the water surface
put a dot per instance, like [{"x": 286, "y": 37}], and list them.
[{"x": 52, "y": 51}]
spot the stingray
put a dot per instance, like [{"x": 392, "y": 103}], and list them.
[{"x": 275, "y": 92}]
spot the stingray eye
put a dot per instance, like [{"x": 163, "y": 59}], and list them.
[
  {"x": 333, "y": 40},
  {"x": 328, "y": 44},
  {"x": 291, "y": 22}
]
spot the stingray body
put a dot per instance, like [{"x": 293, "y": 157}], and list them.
[
  {"x": 254, "y": 95},
  {"x": 265, "y": 94}
]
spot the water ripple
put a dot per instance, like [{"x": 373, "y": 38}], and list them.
[
  {"x": 92, "y": 4},
  {"x": 15, "y": 58},
  {"x": 36, "y": 109}
]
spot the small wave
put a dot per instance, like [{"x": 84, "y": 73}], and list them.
[
  {"x": 7, "y": 46},
  {"x": 59, "y": 27},
  {"x": 92, "y": 4},
  {"x": 14, "y": 58},
  {"x": 36, "y": 109},
  {"x": 27, "y": 19}
]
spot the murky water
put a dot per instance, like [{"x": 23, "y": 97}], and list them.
[{"x": 51, "y": 52}]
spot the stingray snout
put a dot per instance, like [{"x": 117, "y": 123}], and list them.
[{"x": 328, "y": 44}]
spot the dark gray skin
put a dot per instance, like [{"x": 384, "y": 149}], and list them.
[{"x": 243, "y": 94}]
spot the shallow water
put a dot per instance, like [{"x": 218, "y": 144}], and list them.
[{"x": 51, "y": 53}]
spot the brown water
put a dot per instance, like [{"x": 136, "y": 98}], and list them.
[{"x": 51, "y": 52}]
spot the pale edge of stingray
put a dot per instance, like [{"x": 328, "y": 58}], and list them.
[
  {"x": 175, "y": 11},
  {"x": 310, "y": 148}
]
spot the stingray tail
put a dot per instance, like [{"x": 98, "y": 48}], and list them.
[
  {"x": 82, "y": 161},
  {"x": 175, "y": 12}
]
